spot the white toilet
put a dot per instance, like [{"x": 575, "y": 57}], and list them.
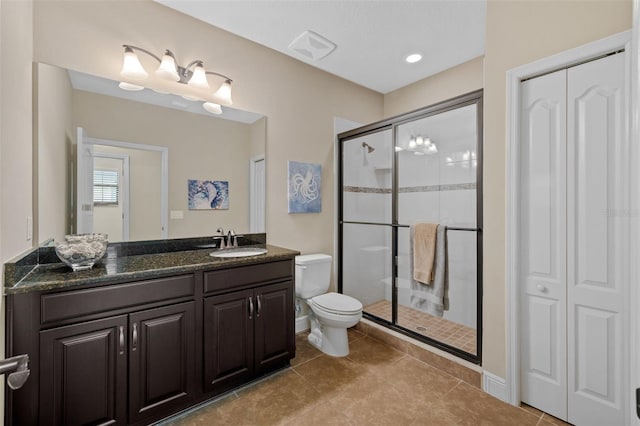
[{"x": 331, "y": 313}]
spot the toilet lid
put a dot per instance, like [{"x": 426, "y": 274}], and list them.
[{"x": 338, "y": 303}]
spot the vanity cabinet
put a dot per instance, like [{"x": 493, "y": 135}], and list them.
[
  {"x": 247, "y": 333},
  {"x": 84, "y": 373},
  {"x": 135, "y": 352},
  {"x": 88, "y": 367}
]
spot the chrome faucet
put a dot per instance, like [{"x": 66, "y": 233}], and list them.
[
  {"x": 221, "y": 238},
  {"x": 232, "y": 239}
]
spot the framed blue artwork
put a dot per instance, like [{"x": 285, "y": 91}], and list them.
[
  {"x": 208, "y": 194},
  {"x": 305, "y": 187}
]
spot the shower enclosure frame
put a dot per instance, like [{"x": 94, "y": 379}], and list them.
[{"x": 472, "y": 98}]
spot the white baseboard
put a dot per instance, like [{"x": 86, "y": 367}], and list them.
[
  {"x": 494, "y": 385},
  {"x": 302, "y": 324}
]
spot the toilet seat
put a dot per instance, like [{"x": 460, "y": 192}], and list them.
[{"x": 337, "y": 303}]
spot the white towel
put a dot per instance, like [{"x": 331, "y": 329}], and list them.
[{"x": 432, "y": 298}]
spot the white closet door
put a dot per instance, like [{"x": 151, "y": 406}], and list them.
[
  {"x": 598, "y": 243},
  {"x": 543, "y": 250}
]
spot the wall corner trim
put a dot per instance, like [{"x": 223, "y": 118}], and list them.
[{"x": 494, "y": 385}]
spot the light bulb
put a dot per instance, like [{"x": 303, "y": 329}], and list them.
[
  {"x": 128, "y": 86},
  {"x": 413, "y": 58},
  {"x": 412, "y": 143},
  {"x": 167, "y": 68},
  {"x": 419, "y": 140},
  {"x": 212, "y": 108},
  {"x": 199, "y": 78},
  {"x": 399, "y": 148},
  {"x": 223, "y": 94},
  {"x": 427, "y": 141},
  {"x": 131, "y": 66}
]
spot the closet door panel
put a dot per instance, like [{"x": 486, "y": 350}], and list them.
[
  {"x": 597, "y": 237},
  {"x": 542, "y": 253}
]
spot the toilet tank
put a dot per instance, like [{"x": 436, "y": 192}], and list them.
[{"x": 313, "y": 275}]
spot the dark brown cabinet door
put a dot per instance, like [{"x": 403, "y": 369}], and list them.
[
  {"x": 274, "y": 326},
  {"x": 228, "y": 340},
  {"x": 83, "y": 373},
  {"x": 161, "y": 360}
]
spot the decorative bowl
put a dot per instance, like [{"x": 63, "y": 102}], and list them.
[{"x": 82, "y": 251}]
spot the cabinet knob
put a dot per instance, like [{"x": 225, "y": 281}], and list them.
[{"x": 541, "y": 288}]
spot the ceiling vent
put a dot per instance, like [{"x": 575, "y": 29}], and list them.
[{"x": 312, "y": 46}]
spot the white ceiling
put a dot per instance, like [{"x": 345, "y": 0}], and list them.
[{"x": 372, "y": 37}]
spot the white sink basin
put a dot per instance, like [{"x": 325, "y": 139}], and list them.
[{"x": 239, "y": 252}]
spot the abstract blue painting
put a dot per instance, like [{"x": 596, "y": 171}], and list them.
[
  {"x": 208, "y": 194},
  {"x": 305, "y": 187}
]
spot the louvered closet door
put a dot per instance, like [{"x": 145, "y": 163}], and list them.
[
  {"x": 598, "y": 244},
  {"x": 542, "y": 252}
]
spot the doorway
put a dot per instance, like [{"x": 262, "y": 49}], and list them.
[
  {"x": 111, "y": 195},
  {"x": 149, "y": 186}
]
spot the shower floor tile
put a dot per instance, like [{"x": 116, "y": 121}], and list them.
[{"x": 443, "y": 330}]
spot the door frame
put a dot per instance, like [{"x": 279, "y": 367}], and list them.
[
  {"x": 256, "y": 216},
  {"x": 515, "y": 76},
  {"x": 164, "y": 174},
  {"x": 125, "y": 188},
  {"x": 634, "y": 275}
]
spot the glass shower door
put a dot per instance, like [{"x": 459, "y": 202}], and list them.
[
  {"x": 421, "y": 167},
  {"x": 367, "y": 178},
  {"x": 437, "y": 183}
]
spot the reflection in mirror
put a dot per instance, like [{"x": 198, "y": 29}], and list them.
[{"x": 99, "y": 152}]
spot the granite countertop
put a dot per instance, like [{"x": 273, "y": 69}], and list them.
[{"x": 125, "y": 265}]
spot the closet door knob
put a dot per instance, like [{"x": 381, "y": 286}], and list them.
[{"x": 541, "y": 288}]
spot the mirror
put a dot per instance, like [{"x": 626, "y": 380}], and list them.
[{"x": 144, "y": 156}]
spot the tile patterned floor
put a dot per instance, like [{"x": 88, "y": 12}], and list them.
[
  {"x": 445, "y": 331},
  {"x": 374, "y": 385}
]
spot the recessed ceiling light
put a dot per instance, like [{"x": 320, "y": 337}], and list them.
[{"x": 413, "y": 58}]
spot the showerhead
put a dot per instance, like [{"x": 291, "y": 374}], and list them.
[{"x": 370, "y": 149}]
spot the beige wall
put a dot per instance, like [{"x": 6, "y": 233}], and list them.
[
  {"x": 54, "y": 136},
  {"x": 16, "y": 50},
  {"x": 520, "y": 32},
  {"x": 15, "y": 127},
  {"x": 448, "y": 84},
  {"x": 299, "y": 101}
]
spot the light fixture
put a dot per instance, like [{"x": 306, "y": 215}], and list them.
[
  {"x": 131, "y": 66},
  {"x": 129, "y": 86},
  {"x": 199, "y": 78},
  {"x": 413, "y": 58},
  {"x": 420, "y": 145},
  {"x": 192, "y": 83},
  {"x": 212, "y": 108}
]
